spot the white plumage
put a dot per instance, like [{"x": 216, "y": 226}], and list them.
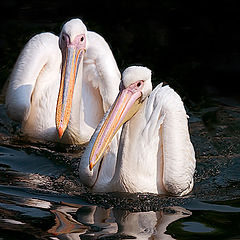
[
  {"x": 34, "y": 85},
  {"x": 153, "y": 153}
]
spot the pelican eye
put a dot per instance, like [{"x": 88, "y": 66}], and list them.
[
  {"x": 139, "y": 84},
  {"x": 82, "y": 39},
  {"x": 64, "y": 38}
]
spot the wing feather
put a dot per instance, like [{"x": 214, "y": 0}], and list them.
[
  {"x": 101, "y": 68},
  {"x": 165, "y": 111},
  {"x": 23, "y": 78}
]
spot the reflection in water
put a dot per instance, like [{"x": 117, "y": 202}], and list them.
[
  {"x": 96, "y": 222},
  {"x": 65, "y": 224},
  {"x": 145, "y": 225}
]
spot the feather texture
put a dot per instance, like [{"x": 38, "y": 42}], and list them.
[
  {"x": 154, "y": 152},
  {"x": 35, "y": 80}
]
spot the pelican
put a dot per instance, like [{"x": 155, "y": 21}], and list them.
[
  {"x": 63, "y": 83},
  {"x": 142, "y": 144}
]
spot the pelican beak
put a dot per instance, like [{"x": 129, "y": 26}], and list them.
[
  {"x": 71, "y": 61},
  {"x": 125, "y": 106}
]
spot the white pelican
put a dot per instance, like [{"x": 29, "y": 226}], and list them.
[
  {"x": 154, "y": 153},
  {"x": 75, "y": 73}
]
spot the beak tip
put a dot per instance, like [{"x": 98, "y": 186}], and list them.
[
  {"x": 60, "y": 132},
  {"x": 91, "y": 166}
]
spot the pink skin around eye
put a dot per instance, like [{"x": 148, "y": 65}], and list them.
[
  {"x": 79, "y": 41},
  {"x": 134, "y": 87}
]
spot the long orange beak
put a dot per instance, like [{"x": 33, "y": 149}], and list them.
[
  {"x": 125, "y": 106},
  {"x": 71, "y": 62}
]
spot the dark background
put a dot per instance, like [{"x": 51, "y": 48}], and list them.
[{"x": 192, "y": 45}]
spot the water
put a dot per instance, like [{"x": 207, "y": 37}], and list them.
[{"x": 40, "y": 196}]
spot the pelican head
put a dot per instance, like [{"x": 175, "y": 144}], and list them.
[
  {"x": 73, "y": 44},
  {"x": 134, "y": 89}
]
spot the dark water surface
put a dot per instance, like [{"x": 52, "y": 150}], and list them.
[
  {"x": 196, "y": 49},
  {"x": 41, "y": 198}
]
